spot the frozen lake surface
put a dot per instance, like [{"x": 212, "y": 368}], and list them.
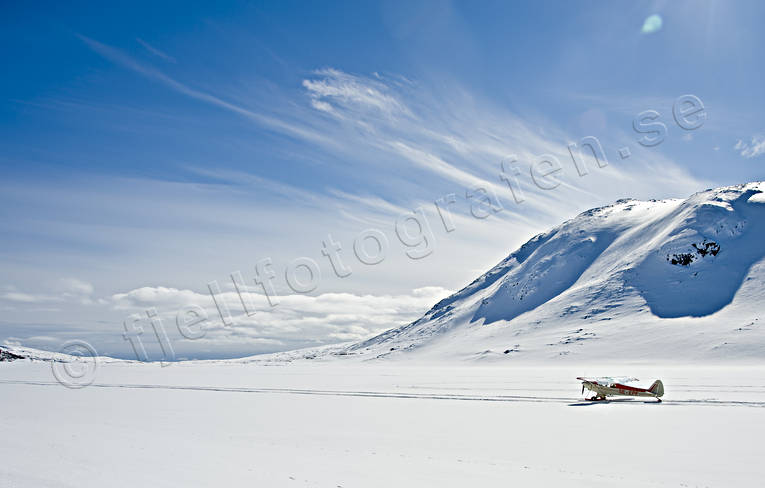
[{"x": 359, "y": 424}]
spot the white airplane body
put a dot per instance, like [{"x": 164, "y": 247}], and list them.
[{"x": 605, "y": 387}]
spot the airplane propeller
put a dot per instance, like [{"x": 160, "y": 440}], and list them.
[{"x": 582, "y": 388}]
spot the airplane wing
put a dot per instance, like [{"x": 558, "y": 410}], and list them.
[{"x": 608, "y": 380}]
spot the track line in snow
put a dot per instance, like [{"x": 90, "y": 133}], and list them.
[{"x": 571, "y": 401}]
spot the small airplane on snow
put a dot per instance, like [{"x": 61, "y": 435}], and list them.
[{"x": 605, "y": 387}]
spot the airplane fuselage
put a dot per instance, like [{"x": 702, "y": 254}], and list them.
[
  {"x": 603, "y": 389},
  {"x": 622, "y": 390}
]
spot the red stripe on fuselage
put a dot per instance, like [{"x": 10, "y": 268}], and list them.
[{"x": 630, "y": 388}]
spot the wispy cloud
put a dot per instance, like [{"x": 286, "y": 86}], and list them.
[
  {"x": 753, "y": 148},
  {"x": 63, "y": 291},
  {"x": 267, "y": 121},
  {"x": 22, "y": 297},
  {"x": 153, "y": 50},
  {"x": 383, "y": 120},
  {"x": 457, "y": 139},
  {"x": 334, "y": 90}
]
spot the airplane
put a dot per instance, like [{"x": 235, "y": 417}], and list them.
[{"x": 605, "y": 387}]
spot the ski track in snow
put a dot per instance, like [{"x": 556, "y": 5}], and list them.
[{"x": 393, "y": 395}]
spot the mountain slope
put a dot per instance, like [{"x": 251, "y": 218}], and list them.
[{"x": 636, "y": 279}]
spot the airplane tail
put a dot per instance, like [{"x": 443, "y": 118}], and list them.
[{"x": 657, "y": 388}]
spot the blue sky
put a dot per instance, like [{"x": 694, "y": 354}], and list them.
[{"x": 149, "y": 149}]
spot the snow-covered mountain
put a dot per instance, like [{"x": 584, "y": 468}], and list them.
[
  {"x": 661, "y": 279},
  {"x": 9, "y": 353},
  {"x": 670, "y": 279}
]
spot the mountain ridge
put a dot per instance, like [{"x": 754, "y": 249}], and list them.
[{"x": 685, "y": 260}]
